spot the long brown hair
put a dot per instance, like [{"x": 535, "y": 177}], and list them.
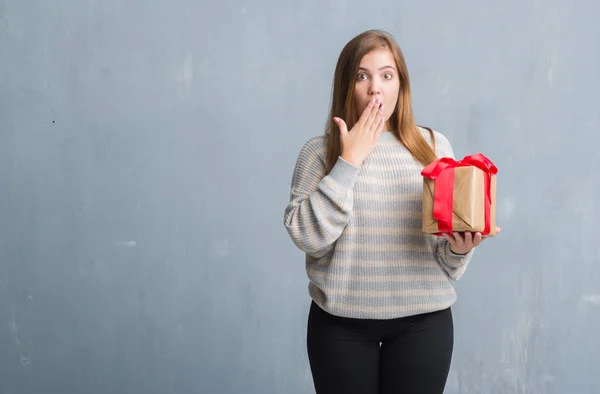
[{"x": 342, "y": 106}]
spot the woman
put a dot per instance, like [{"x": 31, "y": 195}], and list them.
[{"x": 380, "y": 319}]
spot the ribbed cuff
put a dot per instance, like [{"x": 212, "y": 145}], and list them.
[
  {"x": 457, "y": 260},
  {"x": 344, "y": 173}
]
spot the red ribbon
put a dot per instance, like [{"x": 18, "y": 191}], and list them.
[{"x": 442, "y": 171}]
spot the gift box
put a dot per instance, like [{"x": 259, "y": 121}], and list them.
[{"x": 460, "y": 196}]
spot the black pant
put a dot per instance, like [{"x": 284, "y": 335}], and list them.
[{"x": 399, "y": 356}]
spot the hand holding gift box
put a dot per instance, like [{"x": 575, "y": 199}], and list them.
[{"x": 460, "y": 196}]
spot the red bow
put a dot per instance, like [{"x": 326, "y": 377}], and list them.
[{"x": 444, "y": 187}]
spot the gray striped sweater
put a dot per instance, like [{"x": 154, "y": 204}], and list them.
[{"x": 366, "y": 255}]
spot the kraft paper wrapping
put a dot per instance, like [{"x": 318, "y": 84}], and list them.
[{"x": 468, "y": 209}]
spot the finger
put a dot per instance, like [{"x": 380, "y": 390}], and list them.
[
  {"x": 365, "y": 115},
  {"x": 477, "y": 238},
  {"x": 468, "y": 239},
  {"x": 458, "y": 238},
  {"x": 380, "y": 127},
  {"x": 377, "y": 124},
  {"x": 342, "y": 125},
  {"x": 449, "y": 238},
  {"x": 372, "y": 116}
]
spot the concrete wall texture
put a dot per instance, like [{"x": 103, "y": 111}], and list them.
[{"x": 146, "y": 152}]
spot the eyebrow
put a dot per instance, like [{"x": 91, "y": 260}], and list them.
[{"x": 382, "y": 68}]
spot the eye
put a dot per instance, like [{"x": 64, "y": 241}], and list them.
[
  {"x": 388, "y": 76},
  {"x": 361, "y": 76}
]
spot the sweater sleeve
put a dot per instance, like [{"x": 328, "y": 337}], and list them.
[
  {"x": 320, "y": 204},
  {"x": 454, "y": 264}
]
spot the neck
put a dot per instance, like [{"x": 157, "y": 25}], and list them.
[{"x": 387, "y": 136}]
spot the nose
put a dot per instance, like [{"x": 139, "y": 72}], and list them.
[{"x": 374, "y": 88}]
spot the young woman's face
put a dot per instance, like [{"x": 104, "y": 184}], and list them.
[{"x": 377, "y": 77}]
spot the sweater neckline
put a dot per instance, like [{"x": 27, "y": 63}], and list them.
[{"x": 388, "y": 136}]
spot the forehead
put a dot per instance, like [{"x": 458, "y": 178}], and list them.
[{"x": 378, "y": 58}]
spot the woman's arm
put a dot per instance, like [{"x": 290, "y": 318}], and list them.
[{"x": 320, "y": 205}]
